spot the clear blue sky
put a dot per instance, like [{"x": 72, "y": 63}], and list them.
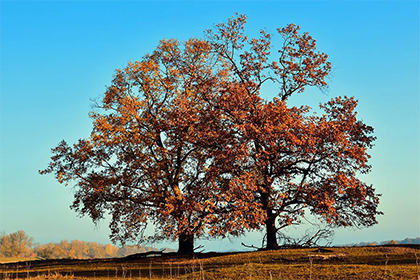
[{"x": 57, "y": 56}]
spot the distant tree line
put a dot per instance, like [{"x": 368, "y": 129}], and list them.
[
  {"x": 19, "y": 244},
  {"x": 405, "y": 241},
  {"x": 392, "y": 242}
]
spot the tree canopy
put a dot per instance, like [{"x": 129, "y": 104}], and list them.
[
  {"x": 183, "y": 140},
  {"x": 16, "y": 244}
]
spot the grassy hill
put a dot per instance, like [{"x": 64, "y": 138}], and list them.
[{"x": 377, "y": 262}]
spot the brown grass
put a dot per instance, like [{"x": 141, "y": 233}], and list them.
[{"x": 381, "y": 262}]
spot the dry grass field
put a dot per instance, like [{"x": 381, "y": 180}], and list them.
[{"x": 377, "y": 262}]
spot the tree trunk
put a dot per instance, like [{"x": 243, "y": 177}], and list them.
[
  {"x": 270, "y": 222},
  {"x": 186, "y": 243},
  {"x": 271, "y": 231}
]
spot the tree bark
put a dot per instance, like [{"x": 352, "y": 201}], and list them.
[
  {"x": 270, "y": 224},
  {"x": 186, "y": 243}
]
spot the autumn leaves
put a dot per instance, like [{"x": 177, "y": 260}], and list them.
[{"x": 183, "y": 141}]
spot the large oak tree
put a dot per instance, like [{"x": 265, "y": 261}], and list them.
[
  {"x": 296, "y": 161},
  {"x": 148, "y": 159}
]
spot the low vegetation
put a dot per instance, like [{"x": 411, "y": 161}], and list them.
[
  {"x": 376, "y": 262},
  {"x": 19, "y": 246}
]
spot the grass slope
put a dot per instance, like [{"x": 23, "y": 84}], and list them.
[{"x": 378, "y": 262}]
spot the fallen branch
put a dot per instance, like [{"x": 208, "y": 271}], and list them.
[
  {"x": 283, "y": 259},
  {"x": 318, "y": 257},
  {"x": 199, "y": 247},
  {"x": 250, "y": 246},
  {"x": 323, "y": 250},
  {"x": 143, "y": 255}
]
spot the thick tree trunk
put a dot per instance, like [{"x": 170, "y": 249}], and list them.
[
  {"x": 270, "y": 222},
  {"x": 271, "y": 231},
  {"x": 186, "y": 243}
]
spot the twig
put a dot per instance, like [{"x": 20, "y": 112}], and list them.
[
  {"x": 124, "y": 272},
  {"x": 386, "y": 263},
  {"x": 310, "y": 269},
  {"x": 201, "y": 270},
  {"x": 28, "y": 267},
  {"x": 150, "y": 270}
]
